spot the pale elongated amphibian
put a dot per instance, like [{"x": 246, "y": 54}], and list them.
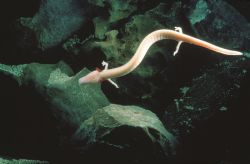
[{"x": 98, "y": 76}]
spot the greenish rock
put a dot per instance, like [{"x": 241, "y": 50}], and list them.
[
  {"x": 117, "y": 10},
  {"x": 55, "y": 21},
  {"x": 72, "y": 44},
  {"x": 21, "y": 161},
  {"x": 14, "y": 71},
  {"x": 56, "y": 83},
  {"x": 209, "y": 93},
  {"x": 124, "y": 134},
  {"x": 130, "y": 132},
  {"x": 247, "y": 54},
  {"x": 215, "y": 88},
  {"x": 214, "y": 20},
  {"x": 223, "y": 109},
  {"x": 55, "y": 99},
  {"x": 199, "y": 13},
  {"x": 184, "y": 90}
]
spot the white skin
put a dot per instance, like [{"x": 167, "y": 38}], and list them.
[{"x": 147, "y": 42}]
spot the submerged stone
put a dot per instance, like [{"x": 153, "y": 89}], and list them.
[
  {"x": 87, "y": 128},
  {"x": 56, "y": 83},
  {"x": 215, "y": 21},
  {"x": 55, "y": 21},
  {"x": 21, "y": 161},
  {"x": 124, "y": 134},
  {"x": 117, "y": 11},
  {"x": 49, "y": 106}
]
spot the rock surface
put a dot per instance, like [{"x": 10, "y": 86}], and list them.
[
  {"x": 21, "y": 161},
  {"x": 216, "y": 86},
  {"x": 124, "y": 134},
  {"x": 56, "y": 83},
  {"x": 128, "y": 131},
  {"x": 210, "y": 105},
  {"x": 117, "y": 12},
  {"x": 215, "y": 21},
  {"x": 55, "y": 21},
  {"x": 50, "y": 98},
  {"x": 208, "y": 95}
]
